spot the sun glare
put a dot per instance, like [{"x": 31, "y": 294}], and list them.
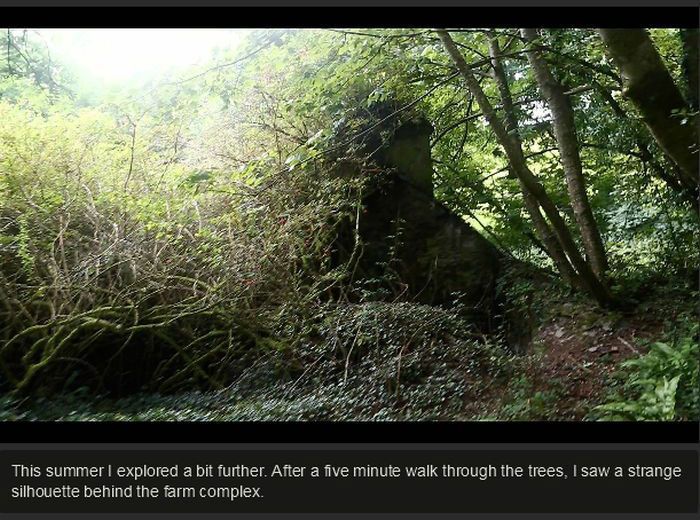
[{"x": 135, "y": 55}]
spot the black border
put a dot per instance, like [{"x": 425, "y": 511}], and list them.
[
  {"x": 376, "y": 15},
  {"x": 352, "y": 432}
]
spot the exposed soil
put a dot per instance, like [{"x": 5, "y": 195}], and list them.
[
  {"x": 581, "y": 362},
  {"x": 570, "y": 365}
]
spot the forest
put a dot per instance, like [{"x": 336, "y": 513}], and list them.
[{"x": 481, "y": 224}]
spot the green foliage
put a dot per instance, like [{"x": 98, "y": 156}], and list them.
[
  {"x": 525, "y": 403},
  {"x": 181, "y": 238},
  {"x": 27, "y": 67},
  {"x": 111, "y": 254},
  {"x": 349, "y": 362},
  {"x": 661, "y": 385}
]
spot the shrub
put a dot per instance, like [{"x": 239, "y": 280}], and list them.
[
  {"x": 661, "y": 385},
  {"x": 118, "y": 274}
]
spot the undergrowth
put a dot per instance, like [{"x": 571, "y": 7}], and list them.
[
  {"x": 662, "y": 384},
  {"x": 355, "y": 362}
]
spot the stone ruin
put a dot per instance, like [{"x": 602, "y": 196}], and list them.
[{"x": 438, "y": 257}]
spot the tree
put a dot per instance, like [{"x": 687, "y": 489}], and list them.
[
  {"x": 519, "y": 164},
  {"x": 649, "y": 85},
  {"x": 26, "y": 56},
  {"x": 545, "y": 233},
  {"x": 643, "y": 144},
  {"x": 690, "y": 38},
  {"x": 564, "y": 127}
]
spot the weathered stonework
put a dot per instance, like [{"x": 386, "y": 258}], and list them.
[{"x": 438, "y": 257}]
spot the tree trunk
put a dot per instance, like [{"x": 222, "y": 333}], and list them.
[
  {"x": 691, "y": 41},
  {"x": 564, "y": 127},
  {"x": 517, "y": 160},
  {"x": 648, "y": 84},
  {"x": 549, "y": 240},
  {"x": 642, "y": 141}
]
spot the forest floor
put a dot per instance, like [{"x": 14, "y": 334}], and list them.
[
  {"x": 571, "y": 368},
  {"x": 573, "y": 365}
]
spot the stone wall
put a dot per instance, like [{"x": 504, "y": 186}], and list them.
[{"x": 438, "y": 257}]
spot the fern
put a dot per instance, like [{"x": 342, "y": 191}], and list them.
[{"x": 662, "y": 385}]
